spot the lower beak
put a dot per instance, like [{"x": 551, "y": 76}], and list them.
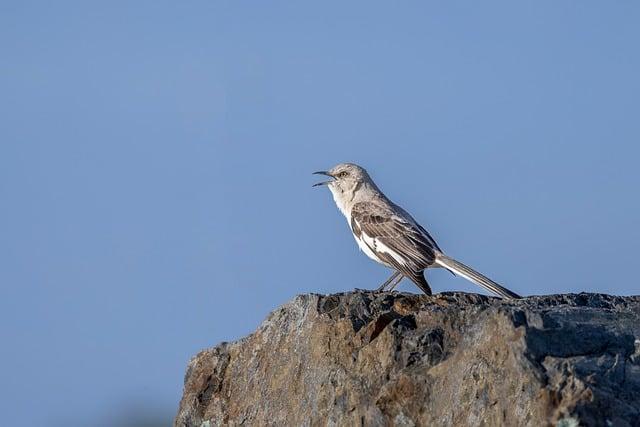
[{"x": 325, "y": 182}]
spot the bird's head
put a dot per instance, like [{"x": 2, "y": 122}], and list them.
[{"x": 346, "y": 178}]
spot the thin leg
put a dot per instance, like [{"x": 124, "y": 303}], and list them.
[
  {"x": 395, "y": 283},
  {"x": 393, "y": 277}
]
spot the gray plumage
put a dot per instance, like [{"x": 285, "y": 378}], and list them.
[{"x": 389, "y": 235}]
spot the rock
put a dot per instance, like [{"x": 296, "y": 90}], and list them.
[{"x": 378, "y": 359}]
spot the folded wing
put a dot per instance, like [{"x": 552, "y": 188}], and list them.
[{"x": 396, "y": 239}]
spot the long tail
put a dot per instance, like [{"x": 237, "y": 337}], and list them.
[{"x": 470, "y": 274}]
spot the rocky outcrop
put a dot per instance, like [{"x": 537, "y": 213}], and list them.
[{"x": 455, "y": 359}]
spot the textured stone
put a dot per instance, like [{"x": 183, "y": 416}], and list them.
[{"x": 380, "y": 359}]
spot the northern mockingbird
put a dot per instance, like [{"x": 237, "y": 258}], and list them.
[{"x": 387, "y": 234}]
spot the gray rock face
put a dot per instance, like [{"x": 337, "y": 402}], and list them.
[{"x": 412, "y": 360}]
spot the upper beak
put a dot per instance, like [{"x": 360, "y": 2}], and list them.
[{"x": 322, "y": 173}]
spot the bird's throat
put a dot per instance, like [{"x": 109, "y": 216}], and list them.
[{"x": 342, "y": 200}]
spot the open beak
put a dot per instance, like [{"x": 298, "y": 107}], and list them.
[{"x": 325, "y": 182}]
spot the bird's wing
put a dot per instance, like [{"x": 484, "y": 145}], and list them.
[
  {"x": 395, "y": 238},
  {"x": 425, "y": 233}
]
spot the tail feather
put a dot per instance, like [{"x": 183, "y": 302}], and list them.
[
  {"x": 470, "y": 274},
  {"x": 421, "y": 282}
]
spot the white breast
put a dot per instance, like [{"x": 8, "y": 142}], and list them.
[{"x": 365, "y": 243}]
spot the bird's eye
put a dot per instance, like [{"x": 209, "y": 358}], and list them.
[{"x": 342, "y": 174}]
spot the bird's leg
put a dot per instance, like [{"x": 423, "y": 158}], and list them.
[
  {"x": 395, "y": 283},
  {"x": 389, "y": 280}
]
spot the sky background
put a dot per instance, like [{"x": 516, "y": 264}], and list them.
[{"x": 155, "y": 162}]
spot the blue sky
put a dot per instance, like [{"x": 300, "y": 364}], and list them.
[{"x": 155, "y": 162}]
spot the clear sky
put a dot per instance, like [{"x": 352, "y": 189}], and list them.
[{"x": 155, "y": 161}]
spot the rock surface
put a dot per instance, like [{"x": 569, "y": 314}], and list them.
[{"x": 458, "y": 359}]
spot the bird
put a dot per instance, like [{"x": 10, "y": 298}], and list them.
[{"x": 389, "y": 235}]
